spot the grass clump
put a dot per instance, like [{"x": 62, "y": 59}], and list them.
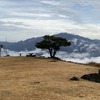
[{"x": 94, "y": 64}]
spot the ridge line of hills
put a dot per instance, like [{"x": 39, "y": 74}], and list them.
[{"x": 79, "y": 44}]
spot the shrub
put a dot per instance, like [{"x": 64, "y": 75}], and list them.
[{"x": 94, "y": 64}]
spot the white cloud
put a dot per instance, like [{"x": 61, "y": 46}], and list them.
[
  {"x": 74, "y": 57},
  {"x": 52, "y": 26},
  {"x": 30, "y": 14},
  {"x": 50, "y": 16},
  {"x": 50, "y": 2}
]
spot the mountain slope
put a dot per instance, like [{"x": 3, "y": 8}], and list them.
[{"x": 79, "y": 44}]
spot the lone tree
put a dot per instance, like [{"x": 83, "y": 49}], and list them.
[
  {"x": 53, "y": 44},
  {"x": 1, "y": 46}
]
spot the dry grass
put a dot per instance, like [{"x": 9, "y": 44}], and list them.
[{"x": 25, "y": 78}]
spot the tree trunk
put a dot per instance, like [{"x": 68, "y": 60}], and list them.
[
  {"x": 54, "y": 53},
  {"x": 50, "y": 51}
]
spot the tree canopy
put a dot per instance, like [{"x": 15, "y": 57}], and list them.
[{"x": 53, "y": 44}]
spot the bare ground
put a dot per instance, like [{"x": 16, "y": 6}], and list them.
[{"x": 26, "y": 78}]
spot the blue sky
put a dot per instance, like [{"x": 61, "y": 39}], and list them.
[{"x": 22, "y": 19}]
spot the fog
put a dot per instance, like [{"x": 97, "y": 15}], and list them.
[{"x": 73, "y": 57}]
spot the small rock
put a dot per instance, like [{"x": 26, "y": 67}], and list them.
[
  {"x": 36, "y": 82},
  {"x": 74, "y": 78}
]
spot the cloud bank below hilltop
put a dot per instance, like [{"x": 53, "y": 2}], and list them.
[{"x": 73, "y": 57}]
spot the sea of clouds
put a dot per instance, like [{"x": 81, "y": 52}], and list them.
[{"x": 73, "y": 57}]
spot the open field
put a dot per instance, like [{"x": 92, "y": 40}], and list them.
[{"x": 26, "y": 78}]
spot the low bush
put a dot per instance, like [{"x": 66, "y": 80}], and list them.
[{"x": 94, "y": 64}]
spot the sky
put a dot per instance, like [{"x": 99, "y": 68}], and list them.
[{"x": 23, "y": 19}]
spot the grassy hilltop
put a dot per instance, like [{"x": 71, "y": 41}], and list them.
[{"x": 27, "y": 78}]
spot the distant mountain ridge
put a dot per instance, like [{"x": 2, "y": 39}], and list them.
[{"x": 79, "y": 44}]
